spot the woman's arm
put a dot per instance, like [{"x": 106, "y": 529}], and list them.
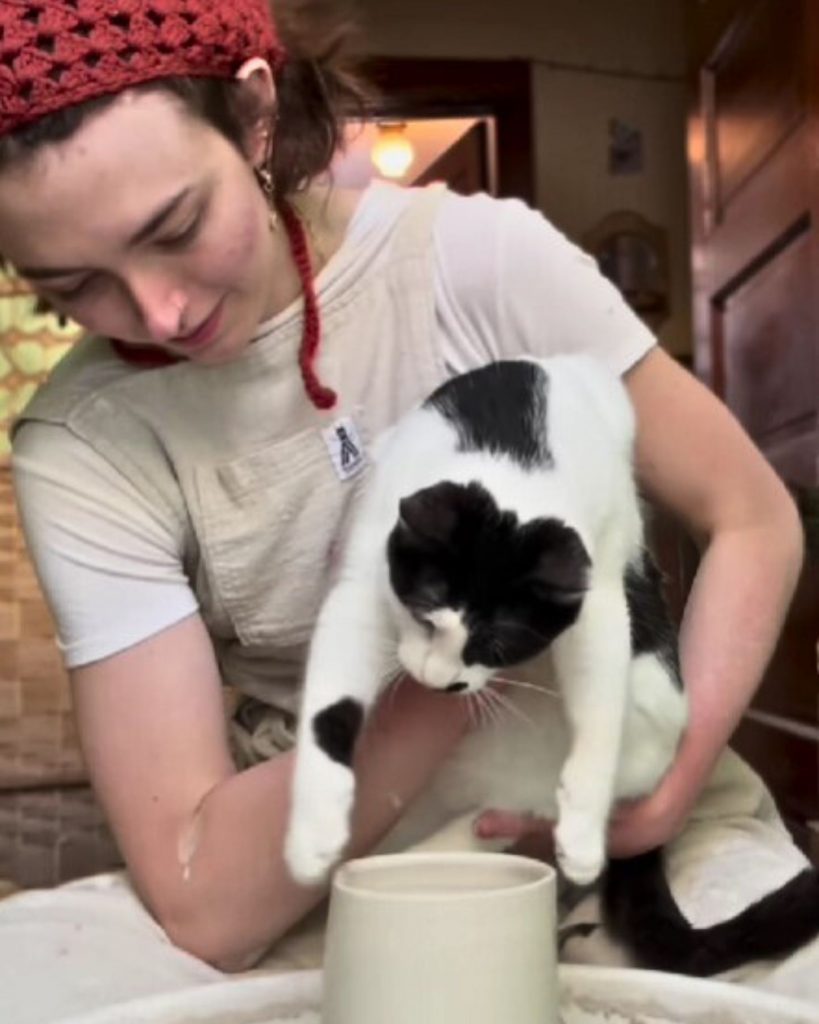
[
  {"x": 694, "y": 459},
  {"x": 202, "y": 842}
]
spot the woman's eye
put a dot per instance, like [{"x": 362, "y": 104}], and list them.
[
  {"x": 68, "y": 294},
  {"x": 183, "y": 237}
]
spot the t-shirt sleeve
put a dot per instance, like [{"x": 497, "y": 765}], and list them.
[
  {"x": 508, "y": 283},
  {"x": 109, "y": 563}
]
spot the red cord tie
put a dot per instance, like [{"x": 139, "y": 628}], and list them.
[{"x": 322, "y": 397}]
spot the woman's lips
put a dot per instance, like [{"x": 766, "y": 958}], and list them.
[{"x": 204, "y": 333}]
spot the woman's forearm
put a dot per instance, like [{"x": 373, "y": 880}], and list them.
[
  {"x": 733, "y": 618},
  {"x": 732, "y": 621},
  {"x": 235, "y": 897},
  {"x": 694, "y": 459}
]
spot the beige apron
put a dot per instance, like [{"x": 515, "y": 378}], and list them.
[{"x": 238, "y": 456}]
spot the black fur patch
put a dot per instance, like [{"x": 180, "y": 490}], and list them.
[
  {"x": 336, "y": 729},
  {"x": 499, "y": 408},
  {"x": 518, "y": 584},
  {"x": 652, "y": 630}
]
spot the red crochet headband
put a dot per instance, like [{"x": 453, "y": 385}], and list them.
[
  {"x": 55, "y": 53},
  {"x": 58, "y": 53}
]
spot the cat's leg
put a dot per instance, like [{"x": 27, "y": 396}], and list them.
[
  {"x": 655, "y": 719},
  {"x": 350, "y": 656},
  {"x": 592, "y": 660}
]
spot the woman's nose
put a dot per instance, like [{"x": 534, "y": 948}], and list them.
[{"x": 161, "y": 308}]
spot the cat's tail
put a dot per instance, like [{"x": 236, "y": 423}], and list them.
[{"x": 639, "y": 910}]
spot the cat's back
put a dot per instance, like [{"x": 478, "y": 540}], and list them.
[
  {"x": 591, "y": 429},
  {"x": 588, "y": 400},
  {"x": 520, "y": 407},
  {"x": 563, "y": 423},
  {"x": 500, "y": 409}
]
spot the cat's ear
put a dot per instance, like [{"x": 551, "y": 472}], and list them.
[
  {"x": 429, "y": 516},
  {"x": 562, "y": 567}
]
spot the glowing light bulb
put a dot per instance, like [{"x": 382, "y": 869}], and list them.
[{"x": 393, "y": 153}]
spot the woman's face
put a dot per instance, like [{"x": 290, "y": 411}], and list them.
[{"x": 148, "y": 226}]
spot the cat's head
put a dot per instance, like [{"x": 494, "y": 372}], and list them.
[{"x": 478, "y": 590}]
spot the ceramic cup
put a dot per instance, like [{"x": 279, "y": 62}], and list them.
[{"x": 441, "y": 938}]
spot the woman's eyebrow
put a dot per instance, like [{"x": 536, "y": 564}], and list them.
[
  {"x": 154, "y": 222},
  {"x": 159, "y": 217}
]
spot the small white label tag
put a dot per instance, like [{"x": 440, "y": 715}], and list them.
[{"x": 345, "y": 448}]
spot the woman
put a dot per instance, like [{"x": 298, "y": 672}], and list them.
[{"x": 180, "y": 480}]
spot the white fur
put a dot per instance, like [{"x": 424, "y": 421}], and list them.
[{"x": 559, "y": 758}]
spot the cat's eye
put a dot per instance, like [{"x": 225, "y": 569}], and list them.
[
  {"x": 422, "y": 620},
  {"x": 539, "y": 590}
]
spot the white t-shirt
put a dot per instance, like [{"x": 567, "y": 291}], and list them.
[{"x": 505, "y": 282}]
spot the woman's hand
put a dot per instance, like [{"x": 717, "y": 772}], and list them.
[
  {"x": 635, "y": 825},
  {"x": 527, "y": 835},
  {"x": 639, "y": 825}
]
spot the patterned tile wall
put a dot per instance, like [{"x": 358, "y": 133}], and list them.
[
  {"x": 51, "y": 828},
  {"x": 31, "y": 343}
]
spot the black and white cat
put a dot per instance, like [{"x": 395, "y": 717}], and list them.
[{"x": 501, "y": 535}]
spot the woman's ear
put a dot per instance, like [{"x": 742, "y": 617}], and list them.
[{"x": 256, "y": 77}]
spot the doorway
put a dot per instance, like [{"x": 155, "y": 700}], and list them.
[{"x": 487, "y": 102}]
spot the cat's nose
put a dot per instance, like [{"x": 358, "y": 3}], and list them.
[{"x": 457, "y": 687}]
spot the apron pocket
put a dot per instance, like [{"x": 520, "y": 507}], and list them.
[{"x": 268, "y": 522}]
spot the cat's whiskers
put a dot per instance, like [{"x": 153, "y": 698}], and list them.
[
  {"x": 545, "y": 690},
  {"x": 473, "y": 707},
  {"x": 485, "y": 699},
  {"x": 393, "y": 672},
  {"x": 392, "y": 684},
  {"x": 491, "y": 699},
  {"x": 510, "y": 707},
  {"x": 521, "y": 627}
]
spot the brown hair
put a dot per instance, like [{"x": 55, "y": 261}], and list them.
[{"x": 317, "y": 89}]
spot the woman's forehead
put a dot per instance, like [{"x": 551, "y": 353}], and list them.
[
  {"x": 120, "y": 165},
  {"x": 144, "y": 126}
]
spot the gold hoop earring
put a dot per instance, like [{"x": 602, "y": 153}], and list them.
[{"x": 265, "y": 181}]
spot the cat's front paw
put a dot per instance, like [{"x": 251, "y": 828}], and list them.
[
  {"x": 310, "y": 856},
  {"x": 580, "y": 850},
  {"x": 580, "y": 843},
  {"x": 319, "y": 826}
]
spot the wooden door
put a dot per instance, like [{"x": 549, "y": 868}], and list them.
[
  {"x": 465, "y": 165},
  {"x": 753, "y": 148}
]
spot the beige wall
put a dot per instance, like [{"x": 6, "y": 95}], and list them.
[{"x": 573, "y": 106}]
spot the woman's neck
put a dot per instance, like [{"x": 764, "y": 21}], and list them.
[{"x": 325, "y": 213}]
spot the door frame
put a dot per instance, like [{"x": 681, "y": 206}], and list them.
[{"x": 409, "y": 88}]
